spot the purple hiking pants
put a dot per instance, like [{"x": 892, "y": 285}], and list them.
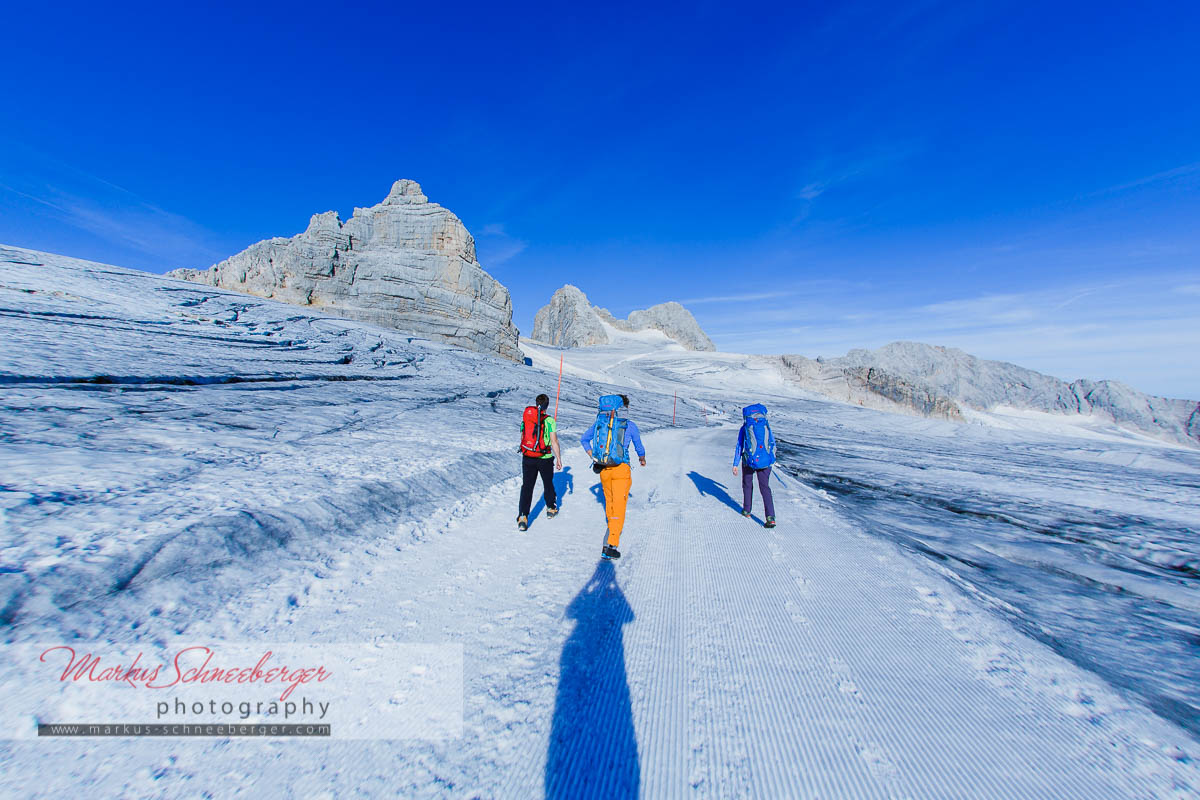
[{"x": 764, "y": 488}]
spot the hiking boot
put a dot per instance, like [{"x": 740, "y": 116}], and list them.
[
  {"x": 522, "y": 523},
  {"x": 745, "y": 513},
  {"x": 770, "y": 523},
  {"x": 610, "y": 552},
  {"x": 550, "y": 512}
]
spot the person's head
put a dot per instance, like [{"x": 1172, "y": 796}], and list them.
[
  {"x": 625, "y": 400},
  {"x": 542, "y": 401}
]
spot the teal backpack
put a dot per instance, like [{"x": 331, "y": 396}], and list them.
[{"x": 608, "y": 444}]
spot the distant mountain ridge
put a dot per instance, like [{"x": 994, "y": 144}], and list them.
[
  {"x": 943, "y": 381},
  {"x": 569, "y": 320},
  {"x": 405, "y": 263}
]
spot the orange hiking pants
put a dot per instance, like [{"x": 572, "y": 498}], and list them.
[{"x": 616, "y": 482}]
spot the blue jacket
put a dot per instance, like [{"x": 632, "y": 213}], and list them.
[
  {"x": 738, "y": 456},
  {"x": 631, "y": 435}
]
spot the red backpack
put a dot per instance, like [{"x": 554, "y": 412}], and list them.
[{"x": 533, "y": 424}]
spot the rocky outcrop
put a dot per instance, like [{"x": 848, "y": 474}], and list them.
[
  {"x": 942, "y": 381},
  {"x": 569, "y": 320},
  {"x": 406, "y": 263},
  {"x": 675, "y": 321},
  {"x": 619, "y": 324}
]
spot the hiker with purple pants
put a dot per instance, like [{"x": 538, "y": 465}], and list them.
[{"x": 755, "y": 454}]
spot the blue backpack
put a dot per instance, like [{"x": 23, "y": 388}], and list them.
[
  {"x": 608, "y": 444},
  {"x": 758, "y": 443}
]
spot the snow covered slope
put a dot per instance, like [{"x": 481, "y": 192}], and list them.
[
  {"x": 1080, "y": 532},
  {"x": 238, "y": 433},
  {"x": 179, "y": 460}
]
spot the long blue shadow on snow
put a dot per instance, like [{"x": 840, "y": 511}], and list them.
[
  {"x": 710, "y": 488},
  {"x": 564, "y": 483},
  {"x": 593, "y": 746}
]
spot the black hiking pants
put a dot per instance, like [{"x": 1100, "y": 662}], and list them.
[{"x": 530, "y": 469}]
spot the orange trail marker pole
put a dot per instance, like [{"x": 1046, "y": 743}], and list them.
[
  {"x": 558, "y": 391},
  {"x": 673, "y": 407}
]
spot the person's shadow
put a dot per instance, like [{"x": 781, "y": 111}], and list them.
[
  {"x": 710, "y": 488},
  {"x": 593, "y": 745},
  {"x": 564, "y": 483}
]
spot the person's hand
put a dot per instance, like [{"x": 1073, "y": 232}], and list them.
[
  {"x": 735, "y": 470},
  {"x": 558, "y": 464},
  {"x": 642, "y": 459}
]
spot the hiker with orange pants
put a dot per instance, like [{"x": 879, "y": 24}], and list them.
[{"x": 607, "y": 442}]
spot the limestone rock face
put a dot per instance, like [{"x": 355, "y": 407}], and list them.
[
  {"x": 619, "y": 324},
  {"x": 568, "y": 321},
  {"x": 942, "y": 381},
  {"x": 406, "y": 263},
  {"x": 571, "y": 321},
  {"x": 675, "y": 321}
]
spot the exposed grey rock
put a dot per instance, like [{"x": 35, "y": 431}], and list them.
[
  {"x": 619, "y": 324},
  {"x": 406, "y": 263},
  {"x": 941, "y": 381},
  {"x": 570, "y": 321},
  {"x": 675, "y": 321}
]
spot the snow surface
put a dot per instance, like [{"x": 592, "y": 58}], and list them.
[{"x": 945, "y": 610}]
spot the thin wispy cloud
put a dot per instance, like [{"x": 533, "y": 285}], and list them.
[
  {"x": 1137, "y": 331},
  {"x": 496, "y": 245},
  {"x": 107, "y": 211},
  {"x": 812, "y": 191},
  {"x": 1176, "y": 174},
  {"x": 829, "y": 173},
  {"x": 735, "y": 298}
]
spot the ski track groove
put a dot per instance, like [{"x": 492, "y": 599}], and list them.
[
  {"x": 765, "y": 649},
  {"x": 808, "y": 661}
]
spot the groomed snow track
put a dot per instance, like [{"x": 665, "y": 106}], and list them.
[{"x": 715, "y": 659}]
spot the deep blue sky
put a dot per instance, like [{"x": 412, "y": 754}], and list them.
[{"x": 1019, "y": 180}]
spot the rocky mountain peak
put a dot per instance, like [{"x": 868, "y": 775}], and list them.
[
  {"x": 405, "y": 192},
  {"x": 569, "y": 320},
  {"x": 405, "y": 263}
]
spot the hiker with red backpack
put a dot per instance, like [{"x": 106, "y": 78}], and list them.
[
  {"x": 756, "y": 453},
  {"x": 607, "y": 442},
  {"x": 539, "y": 456}
]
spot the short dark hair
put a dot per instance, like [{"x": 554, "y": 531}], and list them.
[
  {"x": 543, "y": 401},
  {"x": 625, "y": 400}
]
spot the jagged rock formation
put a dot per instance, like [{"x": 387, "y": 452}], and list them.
[
  {"x": 406, "y": 263},
  {"x": 569, "y": 320},
  {"x": 943, "y": 381},
  {"x": 675, "y": 321},
  {"x": 607, "y": 316}
]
